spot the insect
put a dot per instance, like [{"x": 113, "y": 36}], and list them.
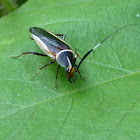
[{"x": 56, "y": 48}]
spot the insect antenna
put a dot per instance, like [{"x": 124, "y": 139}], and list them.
[{"x": 95, "y": 47}]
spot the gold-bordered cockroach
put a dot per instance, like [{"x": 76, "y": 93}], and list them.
[{"x": 56, "y": 48}]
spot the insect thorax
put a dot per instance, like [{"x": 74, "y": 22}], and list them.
[{"x": 65, "y": 58}]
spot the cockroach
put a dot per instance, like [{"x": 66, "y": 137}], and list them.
[{"x": 56, "y": 48}]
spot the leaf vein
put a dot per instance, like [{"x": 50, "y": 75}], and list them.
[
  {"x": 20, "y": 127},
  {"x": 123, "y": 117},
  {"x": 68, "y": 93},
  {"x": 72, "y": 102}
]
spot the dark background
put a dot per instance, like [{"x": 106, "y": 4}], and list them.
[{"x": 6, "y": 6}]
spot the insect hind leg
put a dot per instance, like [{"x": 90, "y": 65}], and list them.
[{"x": 34, "y": 53}]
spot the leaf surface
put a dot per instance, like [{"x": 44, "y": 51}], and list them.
[{"x": 104, "y": 106}]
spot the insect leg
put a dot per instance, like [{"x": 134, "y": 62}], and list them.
[
  {"x": 63, "y": 36},
  {"x": 75, "y": 78},
  {"x": 75, "y": 57},
  {"x": 31, "y": 38},
  {"x": 80, "y": 75},
  {"x": 24, "y": 53},
  {"x": 77, "y": 53},
  {"x": 57, "y": 75},
  {"x": 42, "y": 69}
]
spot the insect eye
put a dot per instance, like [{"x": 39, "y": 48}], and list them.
[{"x": 67, "y": 70}]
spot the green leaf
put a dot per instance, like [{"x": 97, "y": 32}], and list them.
[{"x": 104, "y": 106}]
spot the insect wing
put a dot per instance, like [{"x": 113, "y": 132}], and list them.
[
  {"x": 48, "y": 42},
  {"x": 43, "y": 46}
]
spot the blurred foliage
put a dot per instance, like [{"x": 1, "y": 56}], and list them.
[{"x": 6, "y": 6}]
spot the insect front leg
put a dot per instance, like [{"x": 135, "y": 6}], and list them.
[
  {"x": 24, "y": 53},
  {"x": 42, "y": 69},
  {"x": 74, "y": 78},
  {"x": 80, "y": 75},
  {"x": 63, "y": 36}
]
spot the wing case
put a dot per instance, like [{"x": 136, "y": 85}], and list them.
[{"x": 50, "y": 43}]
